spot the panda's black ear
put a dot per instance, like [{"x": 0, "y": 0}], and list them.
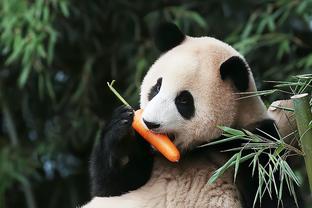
[
  {"x": 237, "y": 70},
  {"x": 167, "y": 35}
]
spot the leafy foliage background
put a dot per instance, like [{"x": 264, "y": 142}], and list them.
[{"x": 57, "y": 55}]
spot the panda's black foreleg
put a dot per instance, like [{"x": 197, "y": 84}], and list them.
[{"x": 121, "y": 161}]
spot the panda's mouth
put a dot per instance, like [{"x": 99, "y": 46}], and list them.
[{"x": 171, "y": 137}]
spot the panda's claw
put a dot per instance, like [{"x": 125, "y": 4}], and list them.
[
  {"x": 125, "y": 121},
  {"x": 121, "y": 113},
  {"x": 119, "y": 126}
]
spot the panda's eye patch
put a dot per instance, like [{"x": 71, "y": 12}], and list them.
[
  {"x": 155, "y": 89},
  {"x": 185, "y": 104}
]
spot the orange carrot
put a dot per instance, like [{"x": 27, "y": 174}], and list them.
[{"x": 160, "y": 141}]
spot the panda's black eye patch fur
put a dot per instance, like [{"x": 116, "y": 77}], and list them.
[
  {"x": 185, "y": 104},
  {"x": 155, "y": 89}
]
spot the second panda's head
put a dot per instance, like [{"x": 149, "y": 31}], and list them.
[{"x": 192, "y": 89}]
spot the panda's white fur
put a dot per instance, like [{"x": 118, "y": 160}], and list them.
[
  {"x": 193, "y": 65},
  {"x": 182, "y": 185}
]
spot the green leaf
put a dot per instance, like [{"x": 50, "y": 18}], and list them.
[
  {"x": 278, "y": 150},
  {"x": 271, "y": 172},
  {"x": 19, "y": 44},
  {"x": 238, "y": 158},
  {"x": 50, "y": 89},
  {"x": 290, "y": 172},
  {"x": 271, "y": 24},
  {"x": 255, "y": 160},
  {"x": 221, "y": 170},
  {"x": 51, "y": 45},
  {"x": 284, "y": 48},
  {"x": 253, "y": 137},
  {"x": 64, "y": 8},
  {"x": 232, "y": 131},
  {"x": 219, "y": 141},
  {"x": 24, "y": 76},
  {"x": 41, "y": 51}
]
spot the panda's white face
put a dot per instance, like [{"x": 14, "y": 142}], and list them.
[{"x": 183, "y": 94}]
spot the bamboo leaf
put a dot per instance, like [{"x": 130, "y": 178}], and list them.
[
  {"x": 232, "y": 131},
  {"x": 24, "y": 76},
  {"x": 220, "y": 141},
  {"x": 238, "y": 158},
  {"x": 221, "y": 170}
]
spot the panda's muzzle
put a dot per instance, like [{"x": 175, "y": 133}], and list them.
[
  {"x": 151, "y": 125},
  {"x": 154, "y": 127}
]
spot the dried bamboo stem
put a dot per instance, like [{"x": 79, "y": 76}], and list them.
[{"x": 303, "y": 118}]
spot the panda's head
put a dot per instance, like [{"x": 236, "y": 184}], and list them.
[{"x": 193, "y": 88}]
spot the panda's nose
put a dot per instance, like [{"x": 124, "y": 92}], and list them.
[{"x": 151, "y": 125}]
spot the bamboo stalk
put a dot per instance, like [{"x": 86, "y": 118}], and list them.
[
  {"x": 29, "y": 196},
  {"x": 303, "y": 118},
  {"x": 10, "y": 125}
]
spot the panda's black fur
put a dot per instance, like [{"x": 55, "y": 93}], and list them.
[{"x": 122, "y": 161}]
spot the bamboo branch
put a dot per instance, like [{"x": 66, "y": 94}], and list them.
[
  {"x": 303, "y": 118},
  {"x": 9, "y": 124},
  {"x": 29, "y": 196}
]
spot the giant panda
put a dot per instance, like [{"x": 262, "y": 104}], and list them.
[{"x": 192, "y": 88}]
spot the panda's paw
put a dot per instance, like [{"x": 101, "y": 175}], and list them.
[{"x": 120, "y": 125}]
